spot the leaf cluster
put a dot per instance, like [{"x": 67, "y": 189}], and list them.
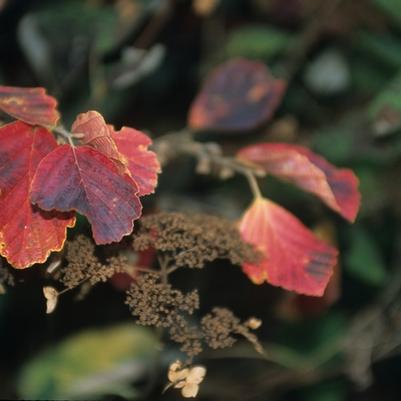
[{"x": 44, "y": 183}]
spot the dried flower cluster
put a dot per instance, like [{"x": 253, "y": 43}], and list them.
[
  {"x": 158, "y": 304},
  {"x": 154, "y": 302},
  {"x": 220, "y": 327},
  {"x": 194, "y": 240},
  {"x": 185, "y": 241},
  {"x": 187, "y": 335},
  {"x": 82, "y": 264}
]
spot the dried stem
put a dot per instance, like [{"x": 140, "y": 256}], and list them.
[
  {"x": 172, "y": 269},
  {"x": 60, "y": 130},
  {"x": 84, "y": 280},
  {"x": 145, "y": 270},
  {"x": 240, "y": 168},
  {"x": 181, "y": 142},
  {"x": 163, "y": 262}
]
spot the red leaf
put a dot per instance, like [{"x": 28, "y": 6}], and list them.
[
  {"x": 143, "y": 164},
  {"x": 96, "y": 134},
  {"x": 338, "y": 188},
  {"x": 31, "y": 105},
  {"x": 239, "y": 95},
  {"x": 293, "y": 258},
  {"x": 311, "y": 306},
  {"x": 128, "y": 148},
  {"x": 27, "y": 234},
  {"x": 87, "y": 181},
  {"x": 296, "y": 306}
]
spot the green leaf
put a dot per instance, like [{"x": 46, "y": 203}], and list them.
[
  {"x": 391, "y": 8},
  {"x": 385, "y": 109},
  {"x": 385, "y": 48},
  {"x": 364, "y": 260},
  {"x": 258, "y": 42},
  {"x": 368, "y": 76},
  {"x": 101, "y": 24},
  {"x": 372, "y": 187},
  {"x": 342, "y": 136},
  {"x": 91, "y": 364}
]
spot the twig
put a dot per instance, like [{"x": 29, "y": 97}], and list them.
[
  {"x": 145, "y": 270},
  {"x": 163, "y": 262},
  {"x": 240, "y": 168},
  {"x": 67, "y": 289},
  {"x": 60, "y": 130},
  {"x": 172, "y": 269},
  {"x": 174, "y": 144}
]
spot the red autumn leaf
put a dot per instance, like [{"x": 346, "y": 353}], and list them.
[
  {"x": 312, "y": 306},
  {"x": 31, "y": 105},
  {"x": 27, "y": 234},
  {"x": 338, "y": 188},
  {"x": 296, "y": 306},
  {"x": 128, "y": 148},
  {"x": 292, "y": 257},
  {"x": 96, "y": 134},
  {"x": 143, "y": 164},
  {"x": 85, "y": 180},
  {"x": 239, "y": 95}
]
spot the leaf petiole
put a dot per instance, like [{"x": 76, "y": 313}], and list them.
[{"x": 60, "y": 130}]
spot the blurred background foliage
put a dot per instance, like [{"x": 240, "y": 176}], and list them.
[{"x": 140, "y": 63}]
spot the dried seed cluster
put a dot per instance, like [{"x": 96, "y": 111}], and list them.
[
  {"x": 155, "y": 303},
  {"x": 187, "y": 335},
  {"x": 194, "y": 240},
  {"x": 187, "y": 241},
  {"x": 158, "y": 304},
  {"x": 83, "y": 264},
  {"x": 220, "y": 327}
]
